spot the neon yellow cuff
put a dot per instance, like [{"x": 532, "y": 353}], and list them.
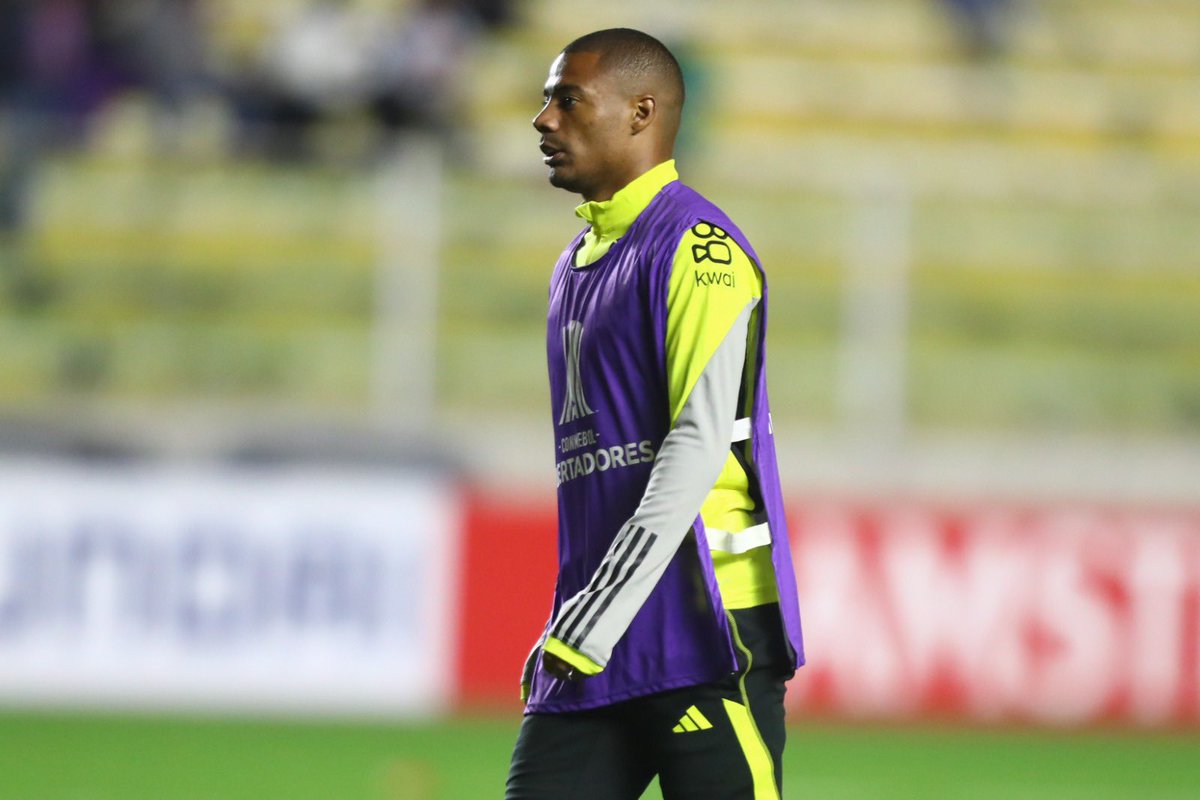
[{"x": 572, "y": 656}]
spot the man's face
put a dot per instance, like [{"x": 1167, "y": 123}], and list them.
[{"x": 584, "y": 125}]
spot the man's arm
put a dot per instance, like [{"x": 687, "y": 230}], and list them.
[{"x": 713, "y": 292}]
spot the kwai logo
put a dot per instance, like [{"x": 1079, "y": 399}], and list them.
[{"x": 575, "y": 405}]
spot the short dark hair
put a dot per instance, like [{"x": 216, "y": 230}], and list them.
[{"x": 633, "y": 54}]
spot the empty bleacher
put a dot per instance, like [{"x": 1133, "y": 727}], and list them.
[{"x": 1051, "y": 193}]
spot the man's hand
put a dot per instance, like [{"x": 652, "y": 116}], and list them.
[{"x": 559, "y": 668}]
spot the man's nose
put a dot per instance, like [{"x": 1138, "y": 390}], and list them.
[{"x": 545, "y": 120}]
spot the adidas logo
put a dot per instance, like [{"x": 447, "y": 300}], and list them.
[{"x": 692, "y": 720}]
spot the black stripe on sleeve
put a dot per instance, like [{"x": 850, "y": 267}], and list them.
[
  {"x": 629, "y": 543},
  {"x": 615, "y": 590}
]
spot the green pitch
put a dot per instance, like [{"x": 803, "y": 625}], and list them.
[{"x": 101, "y": 757}]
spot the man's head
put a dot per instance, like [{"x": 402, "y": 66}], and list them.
[{"x": 613, "y": 100}]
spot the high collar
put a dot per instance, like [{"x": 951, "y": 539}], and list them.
[{"x": 611, "y": 218}]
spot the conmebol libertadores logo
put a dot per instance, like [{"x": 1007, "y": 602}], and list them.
[{"x": 575, "y": 405}]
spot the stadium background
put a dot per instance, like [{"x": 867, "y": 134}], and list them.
[{"x": 276, "y": 514}]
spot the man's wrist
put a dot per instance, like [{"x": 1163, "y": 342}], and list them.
[{"x": 577, "y": 660}]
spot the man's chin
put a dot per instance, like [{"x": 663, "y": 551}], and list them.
[{"x": 562, "y": 180}]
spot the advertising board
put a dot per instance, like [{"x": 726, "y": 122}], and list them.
[{"x": 299, "y": 589}]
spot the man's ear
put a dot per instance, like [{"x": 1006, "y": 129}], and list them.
[{"x": 643, "y": 113}]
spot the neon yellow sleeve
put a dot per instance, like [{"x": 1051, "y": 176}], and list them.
[
  {"x": 572, "y": 656},
  {"x": 712, "y": 280}
]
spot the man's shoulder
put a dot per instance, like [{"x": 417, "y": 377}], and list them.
[
  {"x": 690, "y": 202},
  {"x": 700, "y": 217}
]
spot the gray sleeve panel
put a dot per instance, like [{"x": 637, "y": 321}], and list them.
[{"x": 685, "y": 469}]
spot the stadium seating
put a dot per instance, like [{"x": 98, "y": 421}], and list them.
[{"x": 1050, "y": 193}]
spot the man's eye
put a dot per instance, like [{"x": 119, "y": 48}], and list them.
[{"x": 568, "y": 102}]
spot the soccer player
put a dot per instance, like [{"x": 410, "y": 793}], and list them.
[{"x": 675, "y": 623}]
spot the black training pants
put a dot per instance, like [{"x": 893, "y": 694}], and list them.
[{"x": 722, "y": 741}]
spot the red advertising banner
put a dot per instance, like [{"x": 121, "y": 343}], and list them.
[
  {"x": 1062, "y": 615},
  {"x": 507, "y": 589},
  {"x": 1053, "y": 615}
]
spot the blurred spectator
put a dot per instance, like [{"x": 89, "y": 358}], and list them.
[
  {"x": 314, "y": 65},
  {"x": 61, "y": 61},
  {"x": 12, "y": 23},
  {"x": 983, "y": 25},
  {"x": 383, "y": 68},
  {"x": 162, "y": 47},
  {"x": 334, "y": 59},
  {"x": 493, "y": 13},
  {"x": 421, "y": 65},
  {"x": 47, "y": 89}
]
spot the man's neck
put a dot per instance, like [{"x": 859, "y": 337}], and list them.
[
  {"x": 632, "y": 174},
  {"x": 610, "y": 219}
]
